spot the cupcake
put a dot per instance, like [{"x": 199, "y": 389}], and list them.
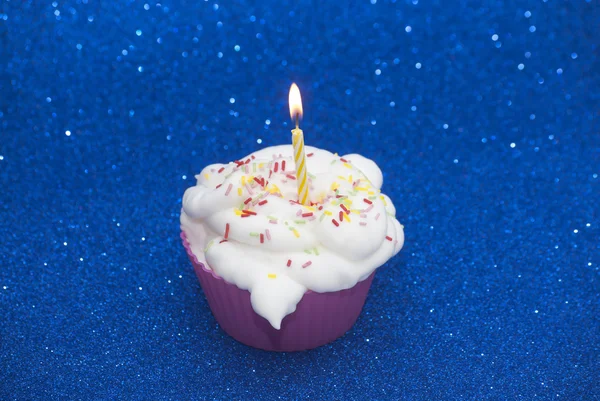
[{"x": 279, "y": 275}]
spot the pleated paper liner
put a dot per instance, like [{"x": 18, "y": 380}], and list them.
[{"x": 320, "y": 318}]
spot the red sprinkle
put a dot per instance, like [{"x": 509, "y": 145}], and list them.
[
  {"x": 387, "y": 237},
  {"x": 341, "y": 216},
  {"x": 289, "y": 263},
  {"x": 345, "y": 208},
  {"x": 291, "y": 177},
  {"x": 309, "y": 155},
  {"x": 307, "y": 214},
  {"x": 218, "y": 186},
  {"x": 223, "y": 240},
  {"x": 262, "y": 238},
  {"x": 247, "y": 201},
  {"x": 283, "y": 165},
  {"x": 276, "y": 166},
  {"x": 221, "y": 170},
  {"x": 248, "y": 161},
  {"x": 262, "y": 202},
  {"x": 307, "y": 264},
  {"x": 249, "y": 212},
  {"x": 339, "y": 196},
  {"x": 239, "y": 163},
  {"x": 367, "y": 201},
  {"x": 253, "y": 157},
  {"x": 335, "y": 223},
  {"x": 226, "y": 231},
  {"x": 320, "y": 207},
  {"x": 344, "y": 160},
  {"x": 260, "y": 182}
]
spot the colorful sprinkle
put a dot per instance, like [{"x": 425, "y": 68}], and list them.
[
  {"x": 268, "y": 233},
  {"x": 289, "y": 263},
  {"x": 310, "y": 155},
  {"x": 246, "y": 211},
  {"x": 363, "y": 223},
  {"x": 239, "y": 191},
  {"x": 341, "y": 216},
  {"x": 262, "y": 202},
  {"x": 226, "y": 231},
  {"x": 367, "y": 201},
  {"x": 387, "y": 237},
  {"x": 276, "y": 167},
  {"x": 271, "y": 275},
  {"x": 307, "y": 214},
  {"x": 206, "y": 175},
  {"x": 316, "y": 251},
  {"x": 254, "y": 234},
  {"x": 306, "y": 264},
  {"x": 345, "y": 209},
  {"x": 377, "y": 217},
  {"x": 328, "y": 213},
  {"x": 273, "y": 221},
  {"x": 228, "y": 189},
  {"x": 218, "y": 186},
  {"x": 221, "y": 170},
  {"x": 247, "y": 201},
  {"x": 335, "y": 223},
  {"x": 262, "y": 238},
  {"x": 344, "y": 160},
  {"x": 223, "y": 240},
  {"x": 283, "y": 165}
]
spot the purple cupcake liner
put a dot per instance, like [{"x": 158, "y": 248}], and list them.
[{"x": 320, "y": 318}]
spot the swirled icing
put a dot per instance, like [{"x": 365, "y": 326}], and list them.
[{"x": 243, "y": 220}]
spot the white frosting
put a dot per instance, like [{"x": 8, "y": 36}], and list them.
[{"x": 323, "y": 256}]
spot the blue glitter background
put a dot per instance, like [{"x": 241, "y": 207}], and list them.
[{"x": 483, "y": 117}]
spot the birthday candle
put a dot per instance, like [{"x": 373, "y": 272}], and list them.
[{"x": 298, "y": 145}]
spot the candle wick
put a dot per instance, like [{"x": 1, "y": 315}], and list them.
[{"x": 297, "y": 123}]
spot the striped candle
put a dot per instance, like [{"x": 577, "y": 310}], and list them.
[{"x": 298, "y": 145}]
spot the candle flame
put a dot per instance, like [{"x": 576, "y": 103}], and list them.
[{"x": 295, "y": 103}]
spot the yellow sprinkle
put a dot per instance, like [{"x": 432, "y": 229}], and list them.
[
  {"x": 327, "y": 212},
  {"x": 207, "y": 176},
  {"x": 342, "y": 177},
  {"x": 335, "y": 185},
  {"x": 350, "y": 179},
  {"x": 347, "y": 201},
  {"x": 383, "y": 199},
  {"x": 260, "y": 165},
  {"x": 296, "y": 233},
  {"x": 354, "y": 211},
  {"x": 271, "y": 275},
  {"x": 312, "y": 209},
  {"x": 371, "y": 193},
  {"x": 346, "y": 217},
  {"x": 239, "y": 191},
  {"x": 347, "y": 165},
  {"x": 237, "y": 211},
  {"x": 361, "y": 189}
]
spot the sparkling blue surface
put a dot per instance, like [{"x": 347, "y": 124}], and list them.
[{"x": 483, "y": 117}]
